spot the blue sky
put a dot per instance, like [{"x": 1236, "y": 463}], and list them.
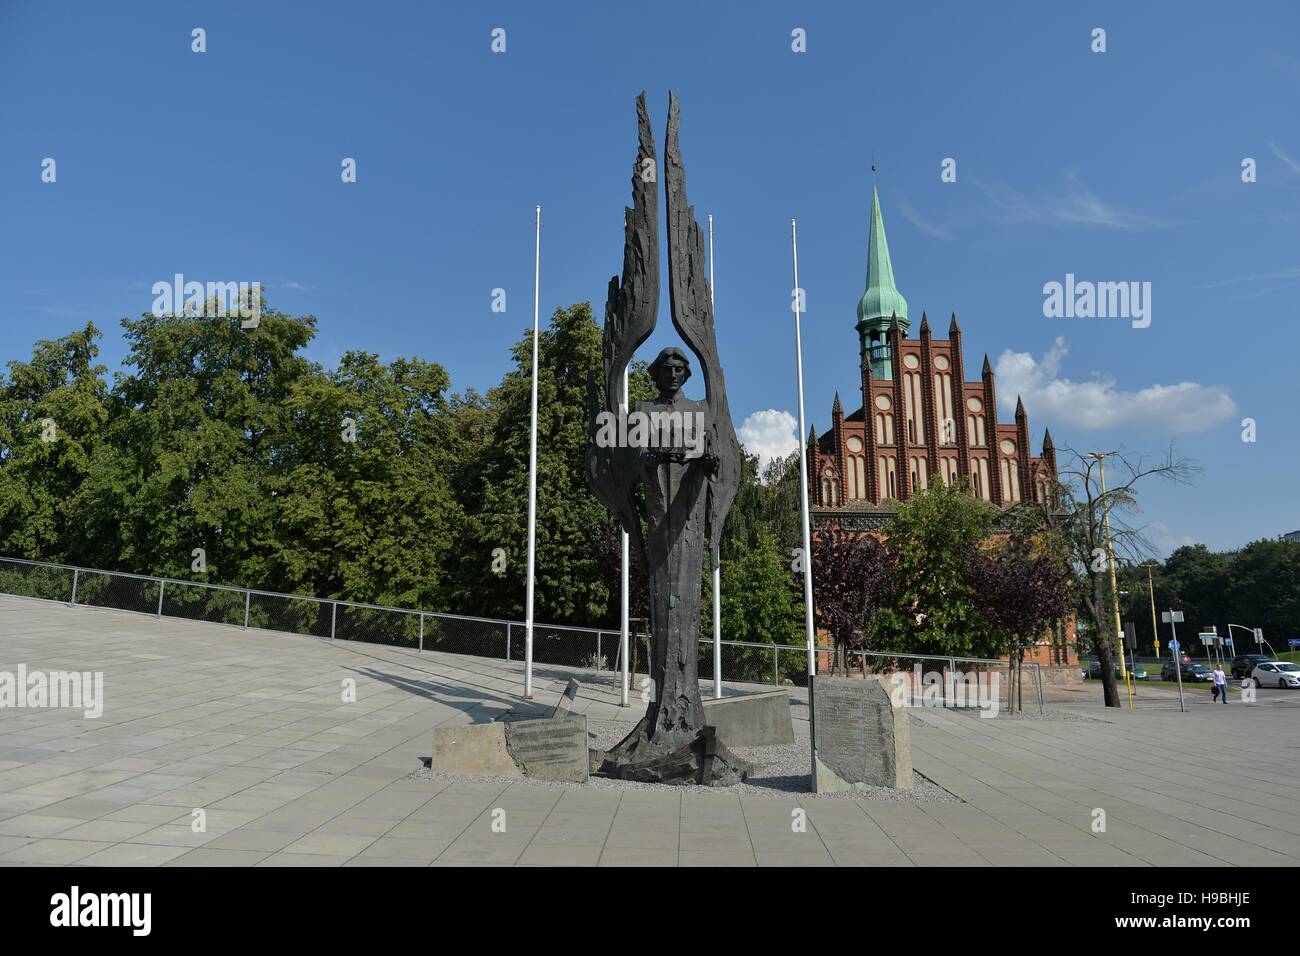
[{"x": 1115, "y": 166}]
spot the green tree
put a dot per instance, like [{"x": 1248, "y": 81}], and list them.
[
  {"x": 1089, "y": 519},
  {"x": 366, "y": 509},
  {"x": 931, "y": 606},
  {"x": 1198, "y": 580},
  {"x": 569, "y": 585},
  {"x": 53, "y": 410},
  {"x": 1264, "y": 588},
  {"x": 195, "y": 450},
  {"x": 760, "y": 607}
]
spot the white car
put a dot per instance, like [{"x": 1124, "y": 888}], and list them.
[{"x": 1276, "y": 674}]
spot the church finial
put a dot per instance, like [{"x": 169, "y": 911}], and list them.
[
  {"x": 988, "y": 369},
  {"x": 837, "y": 408}
]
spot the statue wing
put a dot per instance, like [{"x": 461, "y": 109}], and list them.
[
  {"x": 631, "y": 309},
  {"x": 692, "y": 310}
]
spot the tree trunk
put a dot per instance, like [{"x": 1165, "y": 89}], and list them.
[{"x": 1102, "y": 645}]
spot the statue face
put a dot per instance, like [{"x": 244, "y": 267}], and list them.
[{"x": 671, "y": 376}]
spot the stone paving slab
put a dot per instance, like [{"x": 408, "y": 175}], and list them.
[{"x": 253, "y": 729}]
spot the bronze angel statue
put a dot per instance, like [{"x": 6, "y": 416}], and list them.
[{"x": 683, "y": 453}]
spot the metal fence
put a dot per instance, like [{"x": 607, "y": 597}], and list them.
[
  {"x": 594, "y": 649},
  {"x": 958, "y": 682}
]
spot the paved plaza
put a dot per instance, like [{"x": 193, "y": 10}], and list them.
[{"x": 251, "y": 727}]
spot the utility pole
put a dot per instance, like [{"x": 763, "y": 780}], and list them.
[{"x": 1151, "y": 589}]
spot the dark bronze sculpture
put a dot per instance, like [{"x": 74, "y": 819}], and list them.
[{"x": 688, "y": 490}]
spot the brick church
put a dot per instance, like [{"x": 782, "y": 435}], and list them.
[{"x": 920, "y": 421}]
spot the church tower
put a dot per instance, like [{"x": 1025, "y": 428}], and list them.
[{"x": 882, "y": 301}]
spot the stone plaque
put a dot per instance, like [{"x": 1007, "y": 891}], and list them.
[
  {"x": 547, "y": 749},
  {"x": 859, "y": 737},
  {"x": 550, "y": 749},
  {"x": 752, "y": 720}
]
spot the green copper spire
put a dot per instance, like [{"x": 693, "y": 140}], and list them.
[{"x": 882, "y": 300}]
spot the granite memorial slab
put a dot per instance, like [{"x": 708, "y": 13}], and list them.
[
  {"x": 860, "y": 737},
  {"x": 543, "y": 749}
]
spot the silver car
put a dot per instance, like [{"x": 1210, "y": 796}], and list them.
[{"x": 1276, "y": 674}]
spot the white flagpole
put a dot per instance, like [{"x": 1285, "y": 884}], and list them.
[
  {"x": 532, "y": 471},
  {"x": 624, "y": 637},
  {"x": 717, "y": 571},
  {"x": 803, "y": 460}
]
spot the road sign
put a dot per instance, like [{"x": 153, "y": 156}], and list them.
[
  {"x": 1173, "y": 645},
  {"x": 1293, "y": 642},
  {"x": 1172, "y": 617}
]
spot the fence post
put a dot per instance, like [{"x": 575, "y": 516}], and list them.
[
  {"x": 598, "y": 652},
  {"x": 1038, "y": 673},
  {"x": 248, "y": 597},
  {"x": 951, "y": 681},
  {"x": 507, "y": 640},
  {"x": 161, "y": 586},
  {"x": 421, "y": 630},
  {"x": 334, "y": 613},
  {"x": 776, "y": 680},
  {"x": 75, "y": 572}
]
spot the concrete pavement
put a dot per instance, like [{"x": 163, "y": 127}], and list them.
[{"x": 252, "y": 729}]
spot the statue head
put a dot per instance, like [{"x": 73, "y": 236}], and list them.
[{"x": 670, "y": 370}]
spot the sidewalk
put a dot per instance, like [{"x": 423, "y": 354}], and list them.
[{"x": 251, "y": 728}]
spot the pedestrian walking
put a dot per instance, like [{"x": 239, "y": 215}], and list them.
[{"x": 1220, "y": 683}]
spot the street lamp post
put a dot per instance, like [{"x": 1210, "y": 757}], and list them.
[{"x": 1256, "y": 633}]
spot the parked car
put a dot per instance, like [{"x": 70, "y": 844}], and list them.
[
  {"x": 1244, "y": 664},
  {"x": 1136, "y": 671},
  {"x": 1195, "y": 673},
  {"x": 1276, "y": 674}
]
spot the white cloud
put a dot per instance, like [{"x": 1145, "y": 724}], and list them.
[
  {"x": 1100, "y": 403},
  {"x": 1079, "y": 206},
  {"x": 1285, "y": 157},
  {"x": 1292, "y": 273},
  {"x": 769, "y": 434},
  {"x": 1164, "y": 541},
  {"x": 932, "y": 229}
]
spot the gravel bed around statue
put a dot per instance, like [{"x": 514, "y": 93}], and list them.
[{"x": 778, "y": 771}]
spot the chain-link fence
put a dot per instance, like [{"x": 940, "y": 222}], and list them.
[
  {"x": 25, "y": 579},
  {"x": 783, "y": 665},
  {"x": 957, "y": 682}
]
